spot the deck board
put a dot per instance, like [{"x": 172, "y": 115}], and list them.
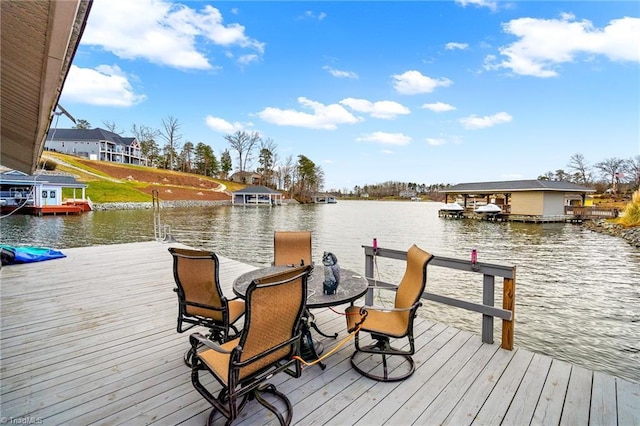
[{"x": 91, "y": 339}]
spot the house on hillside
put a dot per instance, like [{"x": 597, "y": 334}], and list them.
[
  {"x": 96, "y": 144},
  {"x": 248, "y": 178},
  {"x": 525, "y": 199}
]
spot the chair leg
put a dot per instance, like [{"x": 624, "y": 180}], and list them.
[
  {"x": 270, "y": 388},
  {"x": 383, "y": 348},
  {"x": 188, "y": 357}
]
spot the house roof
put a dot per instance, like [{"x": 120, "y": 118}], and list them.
[
  {"x": 96, "y": 134},
  {"x": 257, "y": 190},
  {"x": 38, "y": 42},
  {"x": 24, "y": 179},
  {"x": 515, "y": 186}
]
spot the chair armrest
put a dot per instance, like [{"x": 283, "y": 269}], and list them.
[
  {"x": 198, "y": 339},
  {"x": 384, "y": 309}
]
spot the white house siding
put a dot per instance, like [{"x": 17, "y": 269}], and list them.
[
  {"x": 79, "y": 148},
  {"x": 527, "y": 203}
]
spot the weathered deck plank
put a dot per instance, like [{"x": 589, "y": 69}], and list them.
[{"x": 91, "y": 339}]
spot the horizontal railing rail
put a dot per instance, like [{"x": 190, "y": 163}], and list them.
[
  {"x": 489, "y": 272},
  {"x": 591, "y": 212}
]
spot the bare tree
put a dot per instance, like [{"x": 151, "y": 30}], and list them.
[
  {"x": 146, "y": 137},
  {"x": 111, "y": 126},
  {"x": 580, "y": 168},
  {"x": 610, "y": 169},
  {"x": 267, "y": 158},
  {"x": 243, "y": 143},
  {"x": 170, "y": 128},
  {"x": 632, "y": 168}
]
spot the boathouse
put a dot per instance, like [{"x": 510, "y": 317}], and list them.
[
  {"x": 522, "y": 200},
  {"x": 256, "y": 195},
  {"x": 324, "y": 198},
  {"x": 41, "y": 194}
]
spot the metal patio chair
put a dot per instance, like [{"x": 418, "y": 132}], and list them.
[
  {"x": 200, "y": 298},
  {"x": 385, "y": 324},
  {"x": 268, "y": 344}
]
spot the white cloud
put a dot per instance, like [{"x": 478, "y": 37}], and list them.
[
  {"x": 162, "y": 33},
  {"x": 309, "y": 14},
  {"x": 439, "y": 107},
  {"x": 474, "y": 122},
  {"x": 545, "y": 43},
  {"x": 491, "y": 4},
  {"x": 105, "y": 85},
  {"x": 413, "y": 82},
  {"x": 453, "y": 45},
  {"x": 436, "y": 141},
  {"x": 223, "y": 126},
  {"x": 380, "y": 109},
  {"x": 340, "y": 74},
  {"x": 326, "y": 117},
  {"x": 385, "y": 138}
]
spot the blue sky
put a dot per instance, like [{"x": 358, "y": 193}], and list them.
[{"x": 421, "y": 91}]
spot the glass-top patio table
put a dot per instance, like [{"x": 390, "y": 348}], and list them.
[{"x": 352, "y": 286}]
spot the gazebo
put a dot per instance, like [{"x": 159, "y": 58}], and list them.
[{"x": 257, "y": 195}]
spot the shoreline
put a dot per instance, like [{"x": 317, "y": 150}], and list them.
[{"x": 630, "y": 235}]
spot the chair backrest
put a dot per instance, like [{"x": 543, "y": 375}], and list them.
[
  {"x": 291, "y": 247},
  {"x": 196, "y": 275},
  {"x": 274, "y": 306},
  {"x": 415, "y": 278}
]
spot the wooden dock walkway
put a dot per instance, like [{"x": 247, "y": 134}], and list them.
[{"x": 91, "y": 339}]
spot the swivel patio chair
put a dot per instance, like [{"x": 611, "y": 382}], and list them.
[
  {"x": 200, "y": 298},
  {"x": 385, "y": 324},
  {"x": 268, "y": 344},
  {"x": 292, "y": 248}
]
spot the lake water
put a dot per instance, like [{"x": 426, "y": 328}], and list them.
[{"x": 577, "y": 291}]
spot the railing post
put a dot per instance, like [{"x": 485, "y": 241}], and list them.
[
  {"x": 508, "y": 303},
  {"x": 368, "y": 273},
  {"x": 488, "y": 284}
]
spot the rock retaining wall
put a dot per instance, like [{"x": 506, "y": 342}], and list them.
[{"x": 163, "y": 204}]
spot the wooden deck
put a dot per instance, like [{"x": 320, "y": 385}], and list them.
[{"x": 91, "y": 339}]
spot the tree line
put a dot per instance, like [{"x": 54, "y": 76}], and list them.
[
  {"x": 615, "y": 174},
  {"x": 253, "y": 154},
  {"x": 303, "y": 177}
]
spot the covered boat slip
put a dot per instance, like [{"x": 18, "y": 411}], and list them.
[{"x": 91, "y": 339}]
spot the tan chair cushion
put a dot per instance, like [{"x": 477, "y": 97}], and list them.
[{"x": 289, "y": 247}]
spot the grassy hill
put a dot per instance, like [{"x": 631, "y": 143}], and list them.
[{"x": 113, "y": 182}]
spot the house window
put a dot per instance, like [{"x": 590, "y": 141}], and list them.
[
  {"x": 45, "y": 193},
  {"x": 52, "y": 194}
]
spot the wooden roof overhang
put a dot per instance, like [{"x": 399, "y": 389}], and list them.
[{"x": 39, "y": 39}]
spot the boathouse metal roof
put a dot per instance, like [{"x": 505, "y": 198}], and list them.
[
  {"x": 39, "y": 41},
  {"x": 515, "y": 186},
  {"x": 23, "y": 179},
  {"x": 259, "y": 190}
]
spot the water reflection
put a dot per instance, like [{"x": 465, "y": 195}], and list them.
[{"x": 577, "y": 295}]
